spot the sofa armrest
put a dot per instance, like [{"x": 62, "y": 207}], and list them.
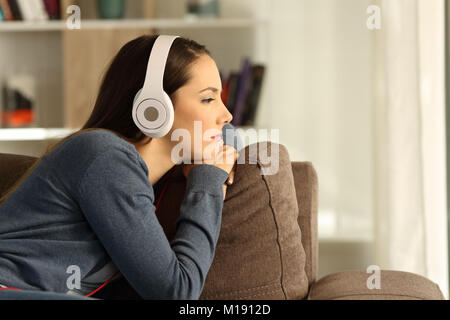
[
  {"x": 306, "y": 188},
  {"x": 394, "y": 285}
]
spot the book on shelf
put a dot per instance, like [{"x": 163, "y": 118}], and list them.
[
  {"x": 19, "y": 100},
  {"x": 32, "y": 10},
  {"x": 26, "y": 8},
  {"x": 43, "y": 10},
  {"x": 229, "y": 89},
  {"x": 7, "y": 14},
  {"x": 241, "y": 92},
  {"x": 254, "y": 95},
  {"x": 52, "y": 9},
  {"x": 15, "y": 10},
  {"x": 29, "y": 10}
]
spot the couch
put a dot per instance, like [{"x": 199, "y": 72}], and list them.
[{"x": 346, "y": 285}]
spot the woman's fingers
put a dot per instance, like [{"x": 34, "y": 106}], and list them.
[
  {"x": 224, "y": 191},
  {"x": 231, "y": 176}
]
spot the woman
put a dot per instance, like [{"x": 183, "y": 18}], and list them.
[{"x": 85, "y": 210}]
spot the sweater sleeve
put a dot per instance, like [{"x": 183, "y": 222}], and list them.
[
  {"x": 231, "y": 137},
  {"x": 117, "y": 198}
]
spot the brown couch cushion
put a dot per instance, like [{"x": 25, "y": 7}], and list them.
[
  {"x": 259, "y": 254},
  {"x": 394, "y": 285}
]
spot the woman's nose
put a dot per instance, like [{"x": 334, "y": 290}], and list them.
[{"x": 228, "y": 117}]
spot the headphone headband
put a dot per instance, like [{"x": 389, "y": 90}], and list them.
[{"x": 157, "y": 62}]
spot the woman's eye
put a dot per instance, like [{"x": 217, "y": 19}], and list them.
[{"x": 208, "y": 100}]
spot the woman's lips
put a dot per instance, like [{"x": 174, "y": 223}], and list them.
[{"x": 217, "y": 137}]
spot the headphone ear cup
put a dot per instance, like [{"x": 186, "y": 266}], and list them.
[
  {"x": 136, "y": 96},
  {"x": 170, "y": 113},
  {"x": 161, "y": 107}
]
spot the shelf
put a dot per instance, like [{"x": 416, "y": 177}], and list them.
[
  {"x": 33, "y": 134},
  {"x": 58, "y": 25}
]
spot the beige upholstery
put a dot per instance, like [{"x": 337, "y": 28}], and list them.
[
  {"x": 394, "y": 285},
  {"x": 259, "y": 254}
]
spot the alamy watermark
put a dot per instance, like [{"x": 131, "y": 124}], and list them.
[
  {"x": 181, "y": 152},
  {"x": 374, "y": 20},
  {"x": 74, "y": 280},
  {"x": 74, "y": 19},
  {"x": 374, "y": 281}
]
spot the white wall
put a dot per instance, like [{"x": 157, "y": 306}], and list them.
[{"x": 320, "y": 91}]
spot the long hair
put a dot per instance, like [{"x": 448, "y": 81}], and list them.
[{"x": 124, "y": 77}]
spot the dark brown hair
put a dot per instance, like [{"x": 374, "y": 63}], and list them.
[{"x": 123, "y": 79}]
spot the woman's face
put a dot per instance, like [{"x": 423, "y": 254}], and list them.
[{"x": 199, "y": 109}]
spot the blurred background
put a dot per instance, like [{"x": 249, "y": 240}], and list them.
[{"x": 357, "y": 87}]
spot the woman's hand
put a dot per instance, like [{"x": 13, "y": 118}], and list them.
[
  {"x": 221, "y": 160},
  {"x": 229, "y": 181}
]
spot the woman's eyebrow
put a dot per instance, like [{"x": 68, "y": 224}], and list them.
[{"x": 209, "y": 88}]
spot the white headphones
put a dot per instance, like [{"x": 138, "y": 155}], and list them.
[{"x": 152, "y": 108}]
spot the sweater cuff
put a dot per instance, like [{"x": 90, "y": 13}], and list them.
[{"x": 206, "y": 177}]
